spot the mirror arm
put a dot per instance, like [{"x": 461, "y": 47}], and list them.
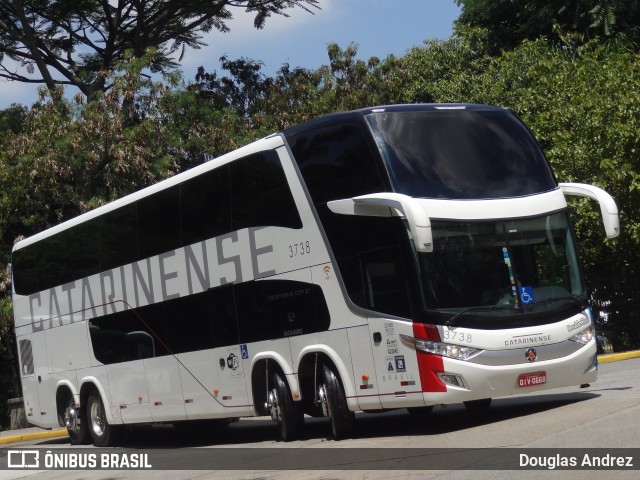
[
  {"x": 608, "y": 207},
  {"x": 386, "y": 204}
]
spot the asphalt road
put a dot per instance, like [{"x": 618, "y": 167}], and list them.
[{"x": 591, "y": 420}]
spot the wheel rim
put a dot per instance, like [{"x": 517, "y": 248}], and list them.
[
  {"x": 71, "y": 418},
  {"x": 97, "y": 418},
  {"x": 322, "y": 397},
  {"x": 274, "y": 406}
]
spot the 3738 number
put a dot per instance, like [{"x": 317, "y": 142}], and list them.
[
  {"x": 460, "y": 337},
  {"x": 301, "y": 248}
]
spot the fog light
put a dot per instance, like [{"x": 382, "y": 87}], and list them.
[{"x": 452, "y": 379}]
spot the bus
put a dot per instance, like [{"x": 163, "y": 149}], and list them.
[{"x": 400, "y": 256}]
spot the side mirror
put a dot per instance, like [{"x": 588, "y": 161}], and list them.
[
  {"x": 387, "y": 204},
  {"x": 608, "y": 207}
]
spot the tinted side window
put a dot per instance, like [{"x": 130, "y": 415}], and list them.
[
  {"x": 129, "y": 335},
  {"x": 119, "y": 236},
  {"x": 372, "y": 260},
  {"x": 279, "y": 308},
  {"x": 159, "y": 222},
  {"x": 337, "y": 162},
  {"x": 260, "y": 194},
  {"x": 250, "y": 192},
  {"x": 196, "y": 322},
  {"x": 206, "y": 212}
]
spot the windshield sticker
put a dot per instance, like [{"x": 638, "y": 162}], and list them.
[
  {"x": 526, "y": 295},
  {"x": 507, "y": 262}
]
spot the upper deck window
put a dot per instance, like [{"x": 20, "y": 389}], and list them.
[{"x": 460, "y": 154}]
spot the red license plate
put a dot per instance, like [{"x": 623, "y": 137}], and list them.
[{"x": 532, "y": 379}]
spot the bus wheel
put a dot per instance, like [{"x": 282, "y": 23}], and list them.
[
  {"x": 284, "y": 411},
  {"x": 478, "y": 405},
  {"x": 103, "y": 434},
  {"x": 334, "y": 405},
  {"x": 75, "y": 420}
]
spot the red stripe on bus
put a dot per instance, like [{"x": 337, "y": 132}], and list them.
[
  {"x": 426, "y": 331},
  {"x": 428, "y": 363}
]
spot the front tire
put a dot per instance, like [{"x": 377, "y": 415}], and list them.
[
  {"x": 103, "y": 434},
  {"x": 334, "y": 405},
  {"x": 284, "y": 411}
]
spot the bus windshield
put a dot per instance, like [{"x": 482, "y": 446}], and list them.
[
  {"x": 500, "y": 269},
  {"x": 460, "y": 154}
]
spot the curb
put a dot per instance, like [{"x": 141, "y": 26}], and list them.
[
  {"x": 616, "y": 357},
  {"x": 25, "y": 437}
]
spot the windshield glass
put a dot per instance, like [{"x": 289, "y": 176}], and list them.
[
  {"x": 460, "y": 154},
  {"x": 501, "y": 268}
]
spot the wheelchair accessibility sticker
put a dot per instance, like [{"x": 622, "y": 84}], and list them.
[{"x": 526, "y": 295}]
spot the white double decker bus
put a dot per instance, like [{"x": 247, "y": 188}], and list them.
[{"x": 391, "y": 257}]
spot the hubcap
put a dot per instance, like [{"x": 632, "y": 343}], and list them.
[
  {"x": 274, "y": 406},
  {"x": 71, "y": 418},
  {"x": 322, "y": 398}
]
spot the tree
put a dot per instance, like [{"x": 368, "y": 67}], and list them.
[
  {"x": 12, "y": 119},
  {"x": 295, "y": 95},
  {"x": 75, "y": 42},
  {"x": 508, "y": 22}
]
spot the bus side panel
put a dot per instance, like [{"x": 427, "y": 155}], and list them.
[
  {"x": 165, "y": 388},
  {"x": 396, "y": 364},
  {"x": 68, "y": 347},
  {"x": 364, "y": 370},
  {"x": 128, "y": 390},
  {"x": 213, "y": 382}
]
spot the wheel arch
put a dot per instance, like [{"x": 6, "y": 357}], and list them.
[
  {"x": 65, "y": 391},
  {"x": 308, "y": 376},
  {"x": 259, "y": 365},
  {"x": 90, "y": 384}
]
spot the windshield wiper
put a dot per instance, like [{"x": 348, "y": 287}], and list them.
[
  {"x": 451, "y": 322},
  {"x": 557, "y": 299}
]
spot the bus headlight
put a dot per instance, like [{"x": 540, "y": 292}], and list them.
[
  {"x": 457, "y": 352},
  {"x": 584, "y": 336}
]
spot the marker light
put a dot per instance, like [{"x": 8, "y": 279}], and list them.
[
  {"x": 457, "y": 352},
  {"x": 584, "y": 336}
]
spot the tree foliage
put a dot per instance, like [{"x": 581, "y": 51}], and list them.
[
  {"x": 296, "y": 95},
  {"x": 508, "y": 22},
  {"x": 78, "y": 42}
]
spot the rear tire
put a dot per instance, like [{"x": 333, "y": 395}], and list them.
[
  {"x": 334, "y": 405},
  {"x": 103, "y": 434},
  {"x": 75, "y": 419},
  {"x": 284, "y": 411}
]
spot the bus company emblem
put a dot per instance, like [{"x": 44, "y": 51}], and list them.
[
  {"x": 530, "y": 354},
  {"x": 233, "y": 362}
]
